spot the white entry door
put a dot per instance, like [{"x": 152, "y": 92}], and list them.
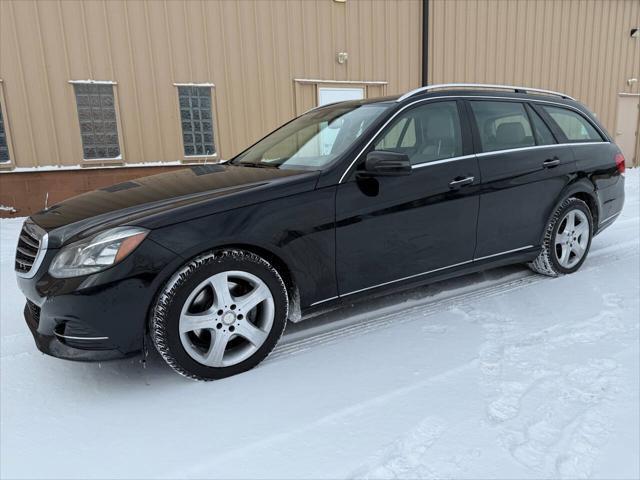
[
  {"x": 627, "y": 127},
  {"x": 339, "y": 94},
  {"x": 327, "y": 95}
]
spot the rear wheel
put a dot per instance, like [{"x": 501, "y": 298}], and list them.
[
  {"x": 220, "y": 315},
  {"x": 567, "y": 239}
]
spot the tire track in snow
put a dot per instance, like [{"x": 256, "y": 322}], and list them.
[
  {"x": 555, "y": 424},
  {"x": 410, "y": 456},
  {"x": 427, "y": 307},
  {"x": 555, "y": 421},
  {"x": 204, "y": 468}
]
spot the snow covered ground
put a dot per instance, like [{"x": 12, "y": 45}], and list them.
[{"x": 504, "y": 374}]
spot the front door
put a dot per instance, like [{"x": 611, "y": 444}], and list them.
[{"x": 390, "y": 229}]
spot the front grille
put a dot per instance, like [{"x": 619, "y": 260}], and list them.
[{"x": 29, "y": 245}]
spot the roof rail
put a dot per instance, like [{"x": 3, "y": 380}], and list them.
[{"x": 481, "y": 86}]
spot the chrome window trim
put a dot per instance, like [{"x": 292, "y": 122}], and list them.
[
  {"x": 480, "y": 85},
  {"x": 471, "y": 97},
  {"x": 42, "y": 250},
  {"x": 565, "y": 144},
  {"x": 443, "y": 160}
]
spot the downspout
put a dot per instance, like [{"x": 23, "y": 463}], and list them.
[{"x": 425, "y": 43}]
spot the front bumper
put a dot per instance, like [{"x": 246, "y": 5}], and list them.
[
  {"x": 58, "y": 345},
  {"x": 96, "y": 317}
]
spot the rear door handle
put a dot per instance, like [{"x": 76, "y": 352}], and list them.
[
  {"x": 461, "y": 182},
  {"x": 551, "y": 162}
]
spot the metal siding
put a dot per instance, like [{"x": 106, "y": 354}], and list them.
[
  {"x": 581, "y": 47},
  {"x": 251, "y": 50}
]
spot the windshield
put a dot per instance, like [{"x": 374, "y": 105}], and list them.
[{"x": 313, "y": 140}]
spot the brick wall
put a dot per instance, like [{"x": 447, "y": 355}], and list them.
[{"x": 26, "y": 191}]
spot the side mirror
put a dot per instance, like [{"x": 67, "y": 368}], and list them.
[{"x": 386, "y": 164}]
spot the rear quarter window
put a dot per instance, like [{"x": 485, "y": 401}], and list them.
[{"x": 574, "y": 126}]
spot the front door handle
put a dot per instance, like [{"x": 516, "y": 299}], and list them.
[
  {"x": 460, "y": 182},
  {"x": 551, "y": 162}
]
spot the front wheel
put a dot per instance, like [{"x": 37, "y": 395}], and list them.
[
  {"x": 567, "y": 239},
  {"x": 219, "y": 315}
]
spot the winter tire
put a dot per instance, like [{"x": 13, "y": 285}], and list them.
[
  {"x": 566, "y": 241},
  {"x": 219, "y": 315}
]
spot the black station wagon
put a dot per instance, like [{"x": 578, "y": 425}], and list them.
[{"x": 210, "y": 262}]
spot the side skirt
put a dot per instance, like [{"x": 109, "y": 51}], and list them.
[{"x": 488, "y": 263}]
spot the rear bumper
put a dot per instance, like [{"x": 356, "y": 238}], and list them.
[{"x": 611, "y": 201}]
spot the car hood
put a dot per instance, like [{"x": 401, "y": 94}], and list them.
[{"x": 170, "y": 197}]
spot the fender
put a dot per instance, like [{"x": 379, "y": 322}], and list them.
[
  {"x": 275, "y": 256},
  {"x": 296, "y": 231},
  {"x": 582, "y": 188}
]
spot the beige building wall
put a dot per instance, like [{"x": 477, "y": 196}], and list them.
[
  {"x": 265, "y": 59},
  {"x": 580, "y": 47},
  {"x": 251, "y": 50}
]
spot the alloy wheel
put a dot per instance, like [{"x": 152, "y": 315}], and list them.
[
  {"x": 226, "y": 318},
  {"x": 572, "y": 238}
]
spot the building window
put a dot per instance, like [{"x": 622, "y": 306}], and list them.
[
  {"x": 4, "y": 145},
  {"x": 197, "y": 120},
  {"x": 98, "y": 124}
]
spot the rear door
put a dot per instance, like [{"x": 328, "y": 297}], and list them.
[{"x": 523, "y": 170}]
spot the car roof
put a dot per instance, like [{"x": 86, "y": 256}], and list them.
[
  {"x": 486, "y": 93},
  {"x": 472, "y": 90},
  {"x": 476, "y": 89},
  {"x": 480, "y": 90}
]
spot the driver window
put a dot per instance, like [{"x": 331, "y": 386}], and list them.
[{"x": 425, "y": 134}]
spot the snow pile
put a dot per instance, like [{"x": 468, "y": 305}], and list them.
[{"x": 502, "y": 374}]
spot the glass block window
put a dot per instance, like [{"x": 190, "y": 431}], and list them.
[
  {"x": 4, "y": 148},
  {"x": 197, "y": 120},
  {"x": 98, "y": 125}
]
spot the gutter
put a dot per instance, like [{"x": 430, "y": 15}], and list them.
[{"x": 425, "y": 43}]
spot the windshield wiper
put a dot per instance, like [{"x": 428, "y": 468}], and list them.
[{"x": 257, "y": 165}]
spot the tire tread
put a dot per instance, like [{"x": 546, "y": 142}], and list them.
[
  {"x": 158, "y": 326},
  {"x": 542, "y": 264}
]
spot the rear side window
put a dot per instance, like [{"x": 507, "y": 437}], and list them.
[
  {"x": 502, "y": 125},
  {"x": 542, "y": 132},
  {"x": 426, "y": 133},
  {"x": 573, "y": 125}
]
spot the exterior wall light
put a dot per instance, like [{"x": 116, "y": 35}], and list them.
[{"x": 342, "y": 57}]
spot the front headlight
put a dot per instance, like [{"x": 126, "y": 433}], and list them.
[{"x": 96, "y": 253}]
